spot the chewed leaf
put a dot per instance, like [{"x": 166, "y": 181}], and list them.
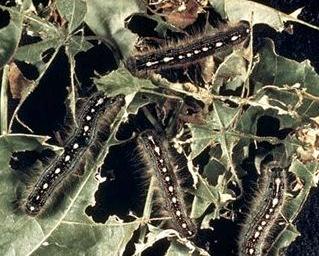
[
  {"x": 50, "y": 233},
  {"x": 73, "y": 11},
  {"x": 49, "y": 37},
  {"x": 122, "y": 81},
  {"x": 140, "y": 92},
  {"x": 206, "y": 195},
  {"x": 179, "y": 248},
  {"x": 11, "y": 32},
  {"x": 107, "y": 20},
  {"x": 222, "y": 115},
  {"x": 259, "y": 13},
  {"x": 30, "y": 53},
  {"x": 16, "y": 143},
  {"x": 273, "y": 69},
  {"x": 233, "y": 72},
  {"x": 219, "y": 6},
  {"x": 153, "y": 236},
  {"x": 285, "y": 86},
  {"x": 286, "y": 237},
  {"x": 79, "y": 237},
  {"x": 217, "y": 121}
]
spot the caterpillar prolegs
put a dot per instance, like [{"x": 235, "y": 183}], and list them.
[
  {"x": 264, "y": 213},
  {"x": 95, "y": 116},
  {"x": 155, "y": 151}
]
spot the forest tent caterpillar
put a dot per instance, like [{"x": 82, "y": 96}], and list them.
[
  {"x": 188, "y": 51},
  {"x": 98, "y": 113},
  {"x": 156, "y": 155},
  {"x": 265, "y": 210}
]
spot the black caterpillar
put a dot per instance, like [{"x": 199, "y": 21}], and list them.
[
  {"x": 265, "y": 210},
  {"x": 95, "y": 116},
  {"x": 186, "y": 52},
  {"x": 157, "y": 157}
]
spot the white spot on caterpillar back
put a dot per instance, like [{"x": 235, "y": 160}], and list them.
[
  {"x": 219, "y": 44},
  {"x": 168, "y": 59}
]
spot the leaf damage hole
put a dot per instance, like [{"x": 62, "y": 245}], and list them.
[
  {"x": 29, "y": 71},
  {"x": 270, "y": 126},
  {"x": 93, "y": 60},
  {"x": 158, "y": 248},
  {"x": 8, "y": 3},
  {"x": 4, "y": 18},
  {"x": 40, "y": 4},
  {"x": 111, "y": 198},
  {"x": 23, "y": 160}
]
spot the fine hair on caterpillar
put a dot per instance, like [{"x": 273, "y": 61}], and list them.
[
  {"x": 265, "y": 211},
  {"x": 156, "y": 155},
  {"x": 94, "y": 119},
  {"x": 187, "y": 51}
]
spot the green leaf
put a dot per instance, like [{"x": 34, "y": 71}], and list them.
[
  {"x": 286, "y": 85},
  {"x": 232, "y": 72},
  {"x": 205, "y": 195},
  {"x": 52, "y": 38},
  {"x": 10, "y": 34},
  {"x": 73, "y": 11},
  {"x": 219, "y": 6},
  {"x": 33, "y": 53},
  {"x": 107, "y": 20},
  {"x": 78, "y": 237},
  {"x": 121, "y": 81},
  {"x": 259, "y": 13},
  {"x": 286, "y": 237},
  {"x": 177, "y": 249},
  {"x": 140, "y": 91},
  {"x": 217, "y": 122},
  {"x": 16, "y": 142},
  {"x": 273, "y": 69}
]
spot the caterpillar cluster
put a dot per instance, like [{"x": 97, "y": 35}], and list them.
[
  {"x": 94, "y": 117},
  {"x": 186, "y": 52},
  {"x": 154, "y": 148},
  {"x": 264, "y": 213}
]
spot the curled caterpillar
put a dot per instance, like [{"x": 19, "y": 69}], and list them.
[
  {"x": 156, "y": 154},
  {"x": 97, "y": 110},
  {"x": 186, "y": 52},
  {"x": 264, "y": 213}
]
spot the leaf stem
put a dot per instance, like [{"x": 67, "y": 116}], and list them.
[
  {"x": 147, "y": 209},
  {"x": 4, "y": 101}
]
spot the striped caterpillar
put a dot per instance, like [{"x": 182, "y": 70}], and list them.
[
  {"x": 93, "y": 118},
  {"x": 157, "y": 157},
  {"x": 256, "y": 234},
  {"x": 186, "y": 52}
]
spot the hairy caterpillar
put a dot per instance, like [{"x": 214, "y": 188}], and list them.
[
  {"x": 157, "y": 157},
  {"x": 188, "y": 51},
  {"x": 94, "y": 117},
  {"x": 264, "y": 214}
]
